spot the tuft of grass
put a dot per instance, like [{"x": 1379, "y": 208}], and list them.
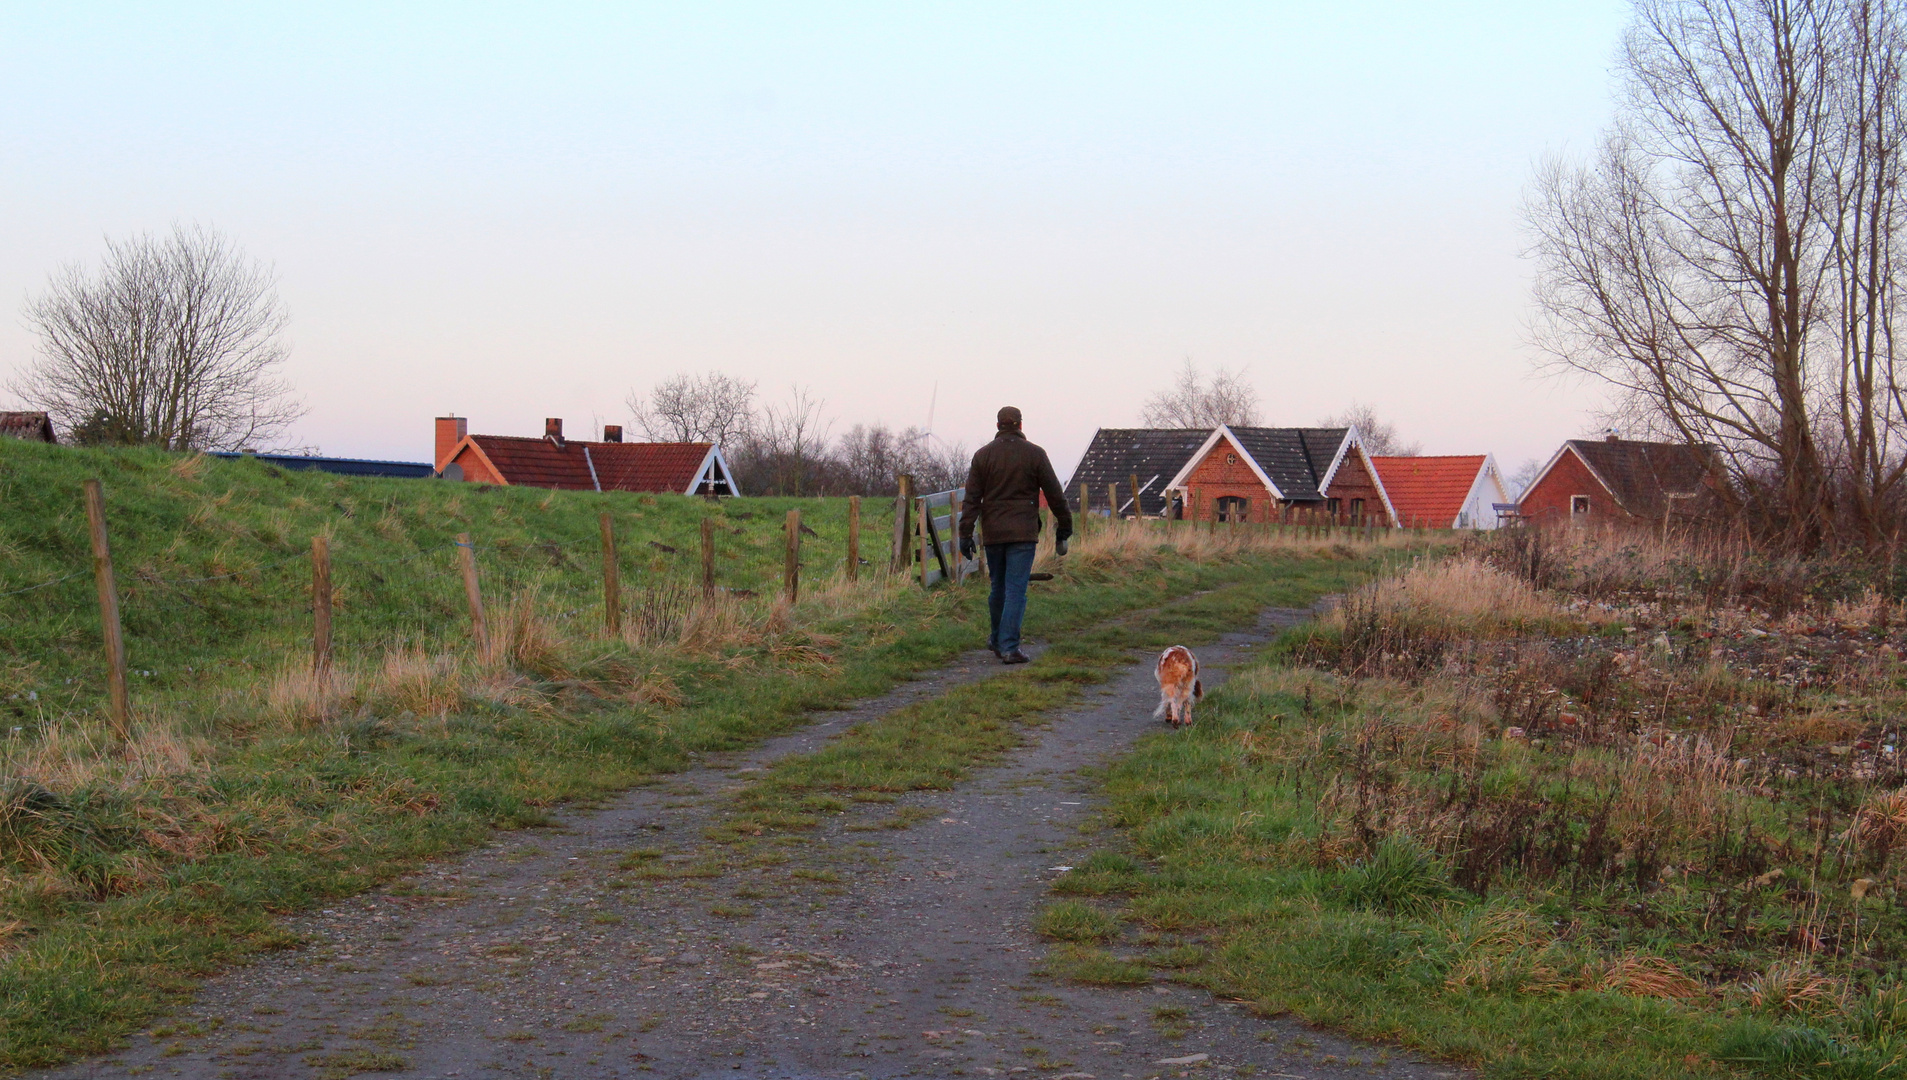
[
  {"x": 1096, "y": 967},
  {"x": 1073, "y": 921},
  {"x": 349, "y": 1063}
]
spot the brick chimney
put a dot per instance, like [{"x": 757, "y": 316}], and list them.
[
  {"x": 450, "y": 431},
  {"x": 553, "y": 429},
  {"x": 612, "y": 432}
]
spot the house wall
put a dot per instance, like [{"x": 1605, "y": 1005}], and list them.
[
  {"x": 476, "y": 469},
  {"x": 1354, "y": 481},
  {"x": 1479, "y": 511},
  {"x": 1548, "y": 502},
  {"x": 1216, "y": 477}
]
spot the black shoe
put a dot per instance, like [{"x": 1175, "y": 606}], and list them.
[
  {"x": 1014, "y": 657},
  {"x": 995, "y": 651}
]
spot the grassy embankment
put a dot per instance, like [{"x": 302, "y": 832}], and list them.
[
  {"x": 134, "y": 861},
  {"x": 1640, "y": 822}
]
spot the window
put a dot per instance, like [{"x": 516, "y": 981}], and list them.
[
  {"x": 1331, "y": 506},
  {"x": 1233, "y": 508},
  {"x": 1357, "y": 511},
  {"x": 1578, "y": 505},
  {"x": 1231, "y": 459}
]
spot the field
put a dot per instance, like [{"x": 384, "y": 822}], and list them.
[
  {"x": 134, "y": 861},
  {"x": 1580, "y": 806}
]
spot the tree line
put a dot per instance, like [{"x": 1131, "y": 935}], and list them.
[{"x": 787, "y": 448}]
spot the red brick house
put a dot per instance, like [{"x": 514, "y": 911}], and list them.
[
  {"x": 576, "y": 465},
  {"x": 1260, "y": 474},
  {"x": 1614, "y": 480},
  {"x": 1444, "y": 492}
]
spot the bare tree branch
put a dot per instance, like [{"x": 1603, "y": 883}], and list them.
[{"x": 1195, "y": 403}]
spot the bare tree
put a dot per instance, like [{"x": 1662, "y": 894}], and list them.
[
  {"x": 1194, "y": 403},
  {"x": 868, "y": 460},
  {"x": 1523, "y": 476},
  {"x": 1869, "y": 221},
  {"x": 1686, "y": 265},
  {"x": 713, "y": 408},
  {"x": 1380, "y": 436},
  {"x": 786, "y": 451},
  {"x": 175, "y": 341}
]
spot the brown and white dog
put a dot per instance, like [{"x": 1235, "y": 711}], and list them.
[{"x": 1179, "y": 685}]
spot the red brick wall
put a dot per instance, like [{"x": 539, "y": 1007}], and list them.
[
  {"x": 1354, "y": 481},
  {"x": 476, "y": 470},
  {"x": 1548, "y": 502},
  {"x": 1214, "y": 477}
]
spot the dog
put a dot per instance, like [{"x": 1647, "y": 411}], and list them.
[{"x": 1179, "y": 686}]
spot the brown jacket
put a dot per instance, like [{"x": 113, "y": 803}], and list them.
[{"x": 1003, "y": 492}]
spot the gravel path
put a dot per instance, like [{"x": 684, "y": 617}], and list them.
[{"x": 622, "y": 943}]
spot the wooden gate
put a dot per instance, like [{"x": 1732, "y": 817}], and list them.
[{"x": 936, "y": 538}]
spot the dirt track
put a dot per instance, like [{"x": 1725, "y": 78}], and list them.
[{"x": 870, "y": 952}]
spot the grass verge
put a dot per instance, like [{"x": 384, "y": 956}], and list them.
[{"x": 1624, "y": 827}]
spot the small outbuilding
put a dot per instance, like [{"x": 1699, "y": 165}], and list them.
[
  {"x": 1614, "y": 480},
  {"x": 1458, "y": 491},
  {"x": 31, "y": 426},
  {"x": 695, "y": 468}
]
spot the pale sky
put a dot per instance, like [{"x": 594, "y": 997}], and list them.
[{"x": 520, "y": 211}]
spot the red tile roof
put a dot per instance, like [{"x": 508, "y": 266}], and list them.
[
  {"x": 1430, "y": 490},
  {"x": 619, "y": 466},
  {"x": 32, "y": 426}
]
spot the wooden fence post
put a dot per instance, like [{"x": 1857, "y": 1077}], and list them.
[
  {"x": 1085, "y": 501},
  {"x": 321, "y": 608},
  {"x": 113, "y": 639},
  {"x": 854, "y": 538},
  {"x": 1137, "y": 510},
  {"x": 903, "y": 520},
  {"x": 920, "y": 526},
  {"x": 612, "y": 579},
  {"x": 1112, "y": 502},
  {"x": 791, "y": 568},
  {"x": 708, "y": 557},
  {"x": 467, "y": 557},
  {"x": 955, "y": 571}
]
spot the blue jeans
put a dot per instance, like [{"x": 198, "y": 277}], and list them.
[{"x": 1008, "y": 565}]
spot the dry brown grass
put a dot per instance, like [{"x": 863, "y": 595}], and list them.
[
  {"x": 1647, "y": 976},
  {"x": 1461, "y": 595},
  {"x": 1103, "y": 546},
  {"x": 1794, "y": 986}
]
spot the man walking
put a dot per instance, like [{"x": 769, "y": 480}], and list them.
[{"x": 1003, "y": 497}]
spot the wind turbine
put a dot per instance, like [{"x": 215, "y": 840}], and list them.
[{"x": 928, "y": 432}]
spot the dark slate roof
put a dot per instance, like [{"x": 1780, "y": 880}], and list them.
[
  {"x": 1640, "y": 475},
  {"x": 1296, "y": 459},
  {"x": 411, "y": 470},
  {"x": 32, "y": 426},
  {"x": 1155, "y": 454},
  {"x": 619, "y": 466}
]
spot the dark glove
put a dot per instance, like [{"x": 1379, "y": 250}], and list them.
[
  {"x": 1060, "y": 536},
  {"x": 967, "y": 547}
]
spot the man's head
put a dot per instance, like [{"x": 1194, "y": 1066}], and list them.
[{"x": 1009, "y": 419}]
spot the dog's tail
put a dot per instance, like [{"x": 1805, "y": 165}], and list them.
[
  {"x": 1198, "y": 690},
  {"x": 1160, "y": 711}
]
